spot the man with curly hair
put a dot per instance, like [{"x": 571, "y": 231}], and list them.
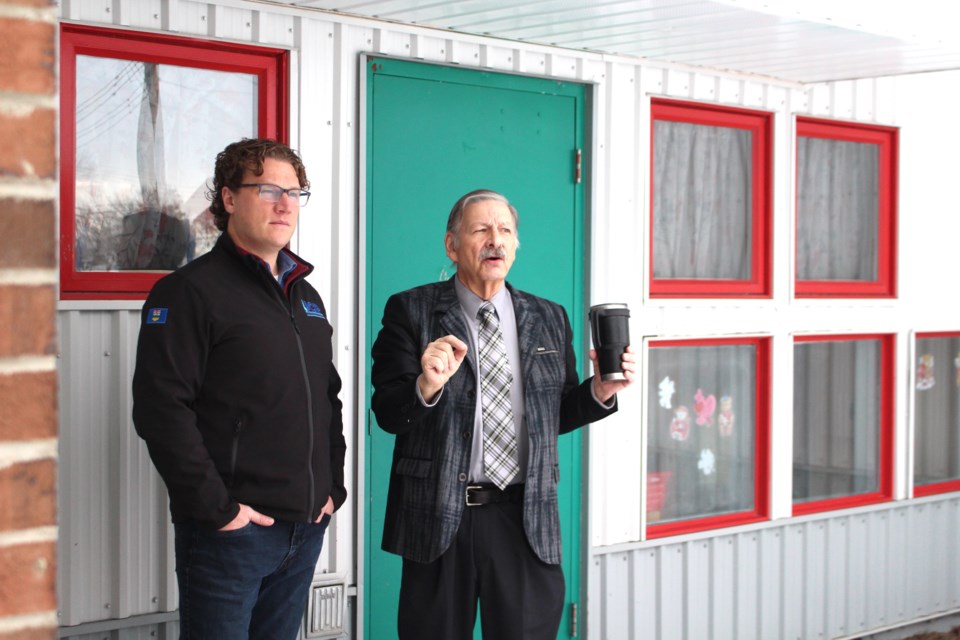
[{"x": 236, "y": 396}]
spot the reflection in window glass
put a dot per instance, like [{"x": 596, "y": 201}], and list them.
[
  {"x": 836, "y": 418},
  {"x": 702, "y": 201},
  {"x": 837, "y": 209},
  {"x": 937, "y": 410},
  {"x": 146, "y": 138},
  {"x": 701, "y": 416}
]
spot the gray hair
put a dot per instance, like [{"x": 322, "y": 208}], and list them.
[{"x": 480, "y": 195}]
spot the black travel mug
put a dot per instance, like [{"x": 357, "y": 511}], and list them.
[{"x": 610, "y": 329}]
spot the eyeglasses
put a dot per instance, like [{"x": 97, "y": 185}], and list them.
[{"x": 271, "y": 193}]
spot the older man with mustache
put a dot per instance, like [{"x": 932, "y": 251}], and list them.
[{"x": 477, "y": 380}]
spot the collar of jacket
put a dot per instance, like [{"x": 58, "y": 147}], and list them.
[
  {"x": 529, "y": 322},
  {"x": 251, "y": 261}
]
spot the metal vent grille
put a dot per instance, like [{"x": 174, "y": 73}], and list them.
[{"x": 325, "y": 611}]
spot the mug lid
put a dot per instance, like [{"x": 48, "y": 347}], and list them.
[{"x": 609, "y": 305}]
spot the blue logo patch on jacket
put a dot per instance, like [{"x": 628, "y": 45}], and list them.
[
  {"x": 312, "y": 309},
  {"x": 157, "y": 315}
]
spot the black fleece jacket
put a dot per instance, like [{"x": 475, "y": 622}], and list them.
[{"x": 235, "y": 392}]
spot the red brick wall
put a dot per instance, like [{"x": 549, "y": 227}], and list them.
[{"x": 28, "y": 290}]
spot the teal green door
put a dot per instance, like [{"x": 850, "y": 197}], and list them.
[{"x": 433, "y": 134}]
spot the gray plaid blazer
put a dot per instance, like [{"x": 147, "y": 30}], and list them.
[{"x": 431, "y": 455}]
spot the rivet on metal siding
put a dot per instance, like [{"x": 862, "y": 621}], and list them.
[{"x": 106, "y": 354}]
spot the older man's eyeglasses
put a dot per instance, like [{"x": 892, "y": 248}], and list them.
[{"x": 271, "y": 192}]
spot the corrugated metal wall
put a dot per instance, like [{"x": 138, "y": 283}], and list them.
[
  {"x": 829, "y": 576},
  {"x": 789, "y": 578},
  {"x": 115, "y": 540}
]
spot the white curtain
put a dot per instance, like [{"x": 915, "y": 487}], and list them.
[
  {"x": 837, "y": 209},
  {"x": 836, "y": 418},
  {"x": 702, "y": 201},
  {"x": 937, "y": 402},
  {"x": 701, "y": 408}
]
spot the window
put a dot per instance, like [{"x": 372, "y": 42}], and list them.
[
  {"x": 936, "y": 445},
  {"x": 710, "y": 201},
  {"x": 846, "y": 210},
  {"x": 708, "y": 434},
  {"x": 142, "y": 119},
  {"x": 842, "y": 421}
]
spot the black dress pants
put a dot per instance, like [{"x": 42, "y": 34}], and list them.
[{"x": 490, "y": 560}]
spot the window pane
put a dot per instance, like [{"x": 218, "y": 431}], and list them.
[
  {"x": 701, "y": 412},
  {"x": 702, "y": 201},
  {"x": 837, "y": 209},
  {"x": 937, "y": 414},
  {"x": 836, "y": 418},
  {"x": 146, "y": 138}
]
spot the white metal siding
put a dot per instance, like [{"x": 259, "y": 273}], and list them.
[
  {"x": 825, "y": 576},
  {"x": 787, "y": 578}
]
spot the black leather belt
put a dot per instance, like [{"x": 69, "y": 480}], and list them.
[{"x": 480, "y": 494}]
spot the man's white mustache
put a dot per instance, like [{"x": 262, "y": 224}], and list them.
[{"x": 493, "y": 252}]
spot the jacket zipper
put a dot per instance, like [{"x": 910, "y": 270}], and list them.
[
  {"x": 237, "y": 428},
  {"x": 306, "y": 381}
]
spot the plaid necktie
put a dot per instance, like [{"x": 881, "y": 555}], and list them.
[{"x": 499, "y": 439}]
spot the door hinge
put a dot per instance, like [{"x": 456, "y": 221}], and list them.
[
  {"x": 578, "y": 166},
  {"x": 573, "y": 619}
]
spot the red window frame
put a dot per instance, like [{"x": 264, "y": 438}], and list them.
[
  {"x": 760, "y": 124},
  {"x": 885, "y": 450},
  {"x": 887, "y": 139},
  {"x": 271, "y": 66},
  {"x": 761, "y": 497},
  {"x": 946, "y": 486}
]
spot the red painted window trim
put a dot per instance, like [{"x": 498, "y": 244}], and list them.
[
  {"x": 885, "y": 453},
  {"x": 271, "y": 66},
  {"x": 761, "y": 498},
  {"x": 760, "y": 124},
  {"x": 887, "y": 138},
  {"x": 947, "y": 486}
]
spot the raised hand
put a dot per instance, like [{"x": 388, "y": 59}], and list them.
[{"x": 440, "y": 360}]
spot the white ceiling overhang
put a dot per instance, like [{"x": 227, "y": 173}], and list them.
[{"x": 794, "y": 40}]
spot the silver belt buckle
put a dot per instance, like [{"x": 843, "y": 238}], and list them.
[{"x": 466, "y": 495}]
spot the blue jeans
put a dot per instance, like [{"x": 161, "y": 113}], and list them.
[{"x": 247, "y": 583}]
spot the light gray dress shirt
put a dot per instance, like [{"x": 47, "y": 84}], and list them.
[{"x": 503, "y": 303}]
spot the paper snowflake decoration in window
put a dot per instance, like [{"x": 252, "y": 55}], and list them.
[
  {"x": 667, "y": 389},
  {"x": 707, "y": 462}
]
